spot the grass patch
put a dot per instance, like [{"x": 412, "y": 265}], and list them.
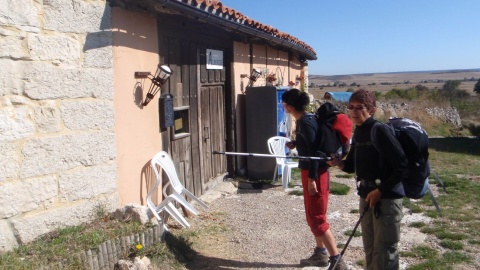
[
  {"x": 338, "y": 188},
  {"x": 454, "y": 257},
  {"x": 356, "y": 234},
  {"x": 361, "y": 262},
  {"x": 354, "y": 211},
  {"x": 59, "y": 246},
  {"x": 453, "y": 245},
  {"x": 421, "y": 251},
  {"x": 344, "y": 176},
  {"x": 296, "y": 192},
  {"x": 456, "y": 162},
  {"x": 419, "y": 224}
]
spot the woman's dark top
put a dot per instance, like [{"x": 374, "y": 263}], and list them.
[
  {"x": 364, "y": 160},
  {"x": 306, "y": 143}
]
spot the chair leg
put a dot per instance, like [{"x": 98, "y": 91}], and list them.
[
  {"x": 170, "y": 208},
  {"x": 285, "y": 176},
  {"x": 193, "y": 197},
  {"x": 179, "y": 198},
  {"x": 275, "y": 173}
]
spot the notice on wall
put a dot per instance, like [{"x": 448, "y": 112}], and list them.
[{"x": 214, "y": 59}]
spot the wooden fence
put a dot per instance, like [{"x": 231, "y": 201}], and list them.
[{"x": 110, "y": 252}]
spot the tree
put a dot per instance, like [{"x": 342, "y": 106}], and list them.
[
  {"x": 450, "y": 87},
  {"x": 476, "y": 89}
]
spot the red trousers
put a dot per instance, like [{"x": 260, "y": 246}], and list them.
[{"x": 316, "y": 205}]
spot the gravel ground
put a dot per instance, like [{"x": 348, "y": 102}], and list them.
[{"x": 267, "y": 228}]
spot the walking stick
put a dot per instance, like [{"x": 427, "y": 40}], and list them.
[
  {"x": 351, "y": 236},
  {"x": 269, "y": 155}
]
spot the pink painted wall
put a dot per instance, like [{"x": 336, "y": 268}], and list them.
[{"x": 135, "y": 48}]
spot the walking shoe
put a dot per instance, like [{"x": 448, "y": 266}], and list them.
[
  {"x": 341, "y": 265},
  {"x": 318, "y": 258}
]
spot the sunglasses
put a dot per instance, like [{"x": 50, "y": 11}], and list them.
[{"x": 356, "y": 108}]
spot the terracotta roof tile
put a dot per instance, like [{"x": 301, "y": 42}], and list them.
[
  {"x": 227, "y": 15},
  {"x": 217, "y": 8}
]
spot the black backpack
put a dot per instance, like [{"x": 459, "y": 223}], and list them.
[
  {"x": 414, "y": 142},
  {"x": 338, "y": 128}
]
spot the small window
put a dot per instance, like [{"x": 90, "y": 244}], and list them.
[{"x": 181, "y": 126}]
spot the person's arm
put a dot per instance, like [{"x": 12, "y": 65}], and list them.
[
  {"x": 309, "y": 130},
  {"x": 347, "y": 164}
]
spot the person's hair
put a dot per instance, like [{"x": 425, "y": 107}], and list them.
[
  {"x": 364, "y": 97},
  {"x": 297, "y": 99}
]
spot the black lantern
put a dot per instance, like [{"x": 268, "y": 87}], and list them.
[
  {"x": 254, "y": 76},
  {"x": 160, "y": 78}
]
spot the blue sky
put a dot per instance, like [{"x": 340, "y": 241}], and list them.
[{"x": 373, "y": 36}]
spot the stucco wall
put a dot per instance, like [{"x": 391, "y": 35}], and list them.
[
  {"x": 135, "y": 48},
  {"x": 56, "y": 117},
  {"x": 268, "y": 60}
]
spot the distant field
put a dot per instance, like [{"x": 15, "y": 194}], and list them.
[{"x": 435, "y": 79}]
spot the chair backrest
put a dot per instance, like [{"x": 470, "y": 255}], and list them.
[
  {"x": 163, "y": 159},
  {"x": 276, "y": 146}
]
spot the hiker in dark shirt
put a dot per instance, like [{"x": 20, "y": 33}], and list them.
[
  {"x": 375, "y": 179},
  {"x": 315, "y": 181}
]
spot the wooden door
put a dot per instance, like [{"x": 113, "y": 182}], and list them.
[{"x": 213, "y": 130}]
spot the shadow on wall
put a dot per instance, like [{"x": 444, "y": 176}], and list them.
[
  {"x": 147, "y": 181},
  {"x": 102, "y": 38},
  {"x": 138, "y": 94},
  {"x": 125, "y": 36}
]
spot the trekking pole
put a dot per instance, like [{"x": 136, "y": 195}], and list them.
[
  {"x": 351, "y": 236},
  {"x": 269, "y": 155}
]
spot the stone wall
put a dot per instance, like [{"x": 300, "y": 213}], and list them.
[
  {"x": 448, "y": 115},
  {"x": 57, "y": 142}
]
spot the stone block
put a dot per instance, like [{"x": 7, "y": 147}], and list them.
[
  {"x": 84, "y": 115},
  {"x": 32, "y": 225},
  {"x": 88, "y": 183},
  {"x": 60, "y": 153},
  {"x": 9, "y": 161},
  {"x": 11, "y": 80},
  {"x": 27, "y": 195},
  {"x": 15, "y": 123},
  {"x": 53, "y": 47},
  {"x": 47, "y": 81},
  {"x": 98, "y": 51},
  {"x": 7, "y": 238},
  {"x": 12, "y": 47},
  {"x": 19, "y": 13},
  {"x": 47, "y": 118},
  {"x": 77, "y": 16}
]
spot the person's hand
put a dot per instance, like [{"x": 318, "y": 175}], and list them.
[
  {"x": 373, "y": 197},
  {"x": 290, "y": 145},
  {"x": 312, "y": 187},
  {"x": 335, "y": 161}
]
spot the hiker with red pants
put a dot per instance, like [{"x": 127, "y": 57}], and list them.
[
  {"x": 315, "y": 181},
  {"x": 376, "y": 178}
]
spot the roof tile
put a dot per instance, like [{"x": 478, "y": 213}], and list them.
[{"x": 216, "y": 7}]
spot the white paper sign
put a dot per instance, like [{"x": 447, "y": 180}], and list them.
[{"x": 214, "y": 59}]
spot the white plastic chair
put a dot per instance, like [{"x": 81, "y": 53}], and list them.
[
  {"x": 276, "y": 146},
  {"x": 163, "y": 159},
  {"x": 165, "y": 205}
]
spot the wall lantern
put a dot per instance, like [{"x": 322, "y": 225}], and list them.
[
  {"x": 253, "y": 77},
  {"x": 161, "y": 76}
]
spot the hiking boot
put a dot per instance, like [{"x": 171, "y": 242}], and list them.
[
  {"x": 318, "y": 258},
  {"x": 341, "y": 265}
]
